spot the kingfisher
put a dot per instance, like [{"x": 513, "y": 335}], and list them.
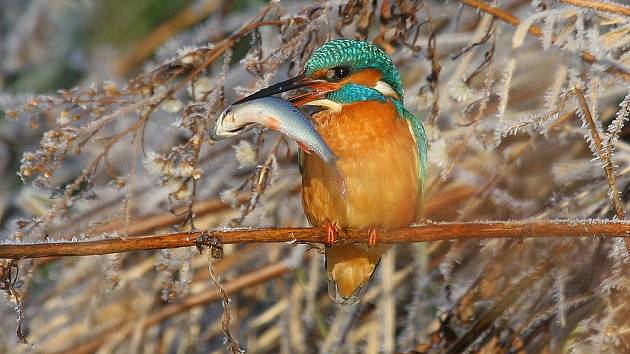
[{"x": 382, "y": 152}]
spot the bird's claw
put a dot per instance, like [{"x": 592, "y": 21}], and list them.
[
  {"x": 332, "y": 233},
  {"x": 373, "y": 237}
]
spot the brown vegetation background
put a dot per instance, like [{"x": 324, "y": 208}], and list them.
[{"x": 104, "y": 115}]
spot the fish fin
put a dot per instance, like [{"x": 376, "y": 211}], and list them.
[
  {"x": 303, "y": 147},
  {"x": 350, "y": 267},
  {"x": 272, "y": 123}
]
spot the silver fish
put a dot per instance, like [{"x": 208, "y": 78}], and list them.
[{"x": 276, "y": 114}]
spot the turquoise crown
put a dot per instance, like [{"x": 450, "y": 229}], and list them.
[{"x": 357, "y": 55}]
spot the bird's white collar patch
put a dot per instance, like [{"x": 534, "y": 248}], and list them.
[
  {"x": 384, "y": 88},
  {"x": 326, "y": 103}
]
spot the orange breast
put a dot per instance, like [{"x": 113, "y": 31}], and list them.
[{"x": 378, "y": 159}]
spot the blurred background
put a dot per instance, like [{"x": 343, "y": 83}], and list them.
[{"x": 105, "y": 108}]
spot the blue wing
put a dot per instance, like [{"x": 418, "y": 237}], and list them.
[{"x": 419, "y": 135}]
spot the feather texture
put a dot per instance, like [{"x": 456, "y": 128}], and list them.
[{"x": 378, "y": 157}]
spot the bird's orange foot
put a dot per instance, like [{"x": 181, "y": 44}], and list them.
[
  {"x": 373, "y": 237},
  {"x": 332, "y": 233}
]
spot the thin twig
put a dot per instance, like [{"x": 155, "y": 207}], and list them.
[
  {"x": 436, "y": 68},
  {"x": 600, "y": 6},
  {"x": 226, "y": 317},
  {"x": 422, "y": 233}
]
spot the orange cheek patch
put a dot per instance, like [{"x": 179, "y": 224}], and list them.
[
  {"x": 320, "y": 74},
  {"x": 365, "y": 77}
]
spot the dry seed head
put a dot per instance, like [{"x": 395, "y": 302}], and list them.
[
  {"x": 182, "y": 192},
  {"x": 200, "y": 87},
  {"x": 460, "y": 92},
  {"x": 188, "y": 59},
  {"x": 189, "y": 56},
  {"x": 161, "y": 267},
  {"x": 158, "y": 165},
  {"x": 26, "y": 171},
  {"x": 31, "y": 105},
  {"x": 172, "y": 105},
  {"x": 64, "y": 117},
  {"x": 184, "y": 169},
  {"x": 171, "y": 296},
  {"x": 147, "y": 90},
  {"x": 195, "y": 140},
  {"x": 245, "y": 154},
  {"x": 110, "y": 89}
]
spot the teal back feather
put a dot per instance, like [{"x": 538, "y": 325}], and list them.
[
  {"x": 352, "y": 92},
  {"x": 419, "y": 135}
]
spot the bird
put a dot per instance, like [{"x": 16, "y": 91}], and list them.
[{"x": 381, "y": 149}]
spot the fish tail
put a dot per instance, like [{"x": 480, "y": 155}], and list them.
[{"x": 350, "y": 267}]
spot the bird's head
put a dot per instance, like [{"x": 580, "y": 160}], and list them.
[{"x": 342, "y": 71}]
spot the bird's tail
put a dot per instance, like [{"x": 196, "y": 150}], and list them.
[{"x": 350, "y": 267}]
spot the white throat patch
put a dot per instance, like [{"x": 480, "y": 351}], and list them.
[
  {"x": 384, "y": 88},
  {"x": 326, "y": 103}
]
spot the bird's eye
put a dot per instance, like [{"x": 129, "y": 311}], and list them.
[{"x": 341, "y": 72}]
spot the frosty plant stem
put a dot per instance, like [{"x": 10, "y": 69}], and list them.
[
  {"x": 537, "y": 32},
  {"x": 601, "y": 154},
  {"x": 604, "y": 157},
  {"x": 600, "y": 6},
  {"x": 421, "y": 233}
]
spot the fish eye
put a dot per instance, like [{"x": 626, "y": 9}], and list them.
[{"x": 340, "y": 72}]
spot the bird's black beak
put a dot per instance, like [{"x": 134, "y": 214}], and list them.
[{"x": 318, "y": 88}]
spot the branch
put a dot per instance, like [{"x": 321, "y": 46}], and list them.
[
  {"x": 602, "y": 155},
  {"x": 600, "y": 6},
  {"x": 535, "y": 31},
  {"x": 421, "y": 233}
]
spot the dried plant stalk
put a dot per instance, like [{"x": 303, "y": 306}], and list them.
[
  {"x": 535, "y": 31},
  {"x": 607, "y": 6}
]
